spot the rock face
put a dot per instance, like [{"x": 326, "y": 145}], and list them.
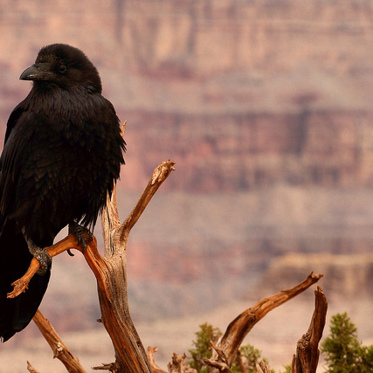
[
  {"x": 244, "y": 151},
  {"x": 241, "y": 94},
  {"x": 345, "y": 276}
]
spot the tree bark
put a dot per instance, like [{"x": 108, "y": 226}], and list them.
[
  {"x": 112, "y": 278},
  {"x": 307, "y": 355},
  {"x": 262, "y": 367},
  {"x": 59, "y": 349},
  {"x": 155, "y": 368}
]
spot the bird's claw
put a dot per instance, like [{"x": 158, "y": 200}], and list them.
[
  {"x": 82, "y": 234},
  {"x": 41, "y": 255}
]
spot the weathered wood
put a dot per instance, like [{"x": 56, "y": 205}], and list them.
[
  {"x": 155, "y": 368},
  {"x": 31, "y": 369},
  {"x": 307, "y": 355},
  {"x": 262, "y": 367},
  {"x": 59, "y": 349},
  {"x": 179, "y": 365},
  {"x": 225, "y": 351},
  {"x": 112, "y": 278},
  {"x": 240, "y": 362}
]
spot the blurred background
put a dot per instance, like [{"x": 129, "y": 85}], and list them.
[{"x": 266, "y": 107}]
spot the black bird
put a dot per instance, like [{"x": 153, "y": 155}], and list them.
[{"x": 62, "y": 154}]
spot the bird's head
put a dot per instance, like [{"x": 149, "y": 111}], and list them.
[{"x": 63, "y": 65}]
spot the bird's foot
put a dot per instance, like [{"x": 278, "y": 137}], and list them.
[
  {"x": 82, "y": 234},
  {"x": 41, "y": 255}
]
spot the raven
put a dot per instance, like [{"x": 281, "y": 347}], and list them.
[{"x": 62, "y": 154}]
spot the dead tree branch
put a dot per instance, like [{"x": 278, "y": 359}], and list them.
[
  {"x": 111, "y": 277},
  {"x": 307, "y": 355},
  {"x": 225, "y": 351},
  {"x": 155, "y": 368},
  {"x": 179, "y": 365},
  {"x": 31, "y": 369},
  {"x": 59, "y": 349},
  {"x": 262, "y": 367}
]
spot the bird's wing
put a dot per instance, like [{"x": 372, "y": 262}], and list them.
[
  {"x": 14, "y": 116},
  {"x": 18, "y": 135}
]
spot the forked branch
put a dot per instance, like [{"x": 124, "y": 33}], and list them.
[
  {"x": 59, "y": 349},
  {"x": 226, "y": 349}
]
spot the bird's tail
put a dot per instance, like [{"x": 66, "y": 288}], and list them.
[{"x": 15, "y": 258}]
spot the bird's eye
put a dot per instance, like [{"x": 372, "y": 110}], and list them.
[{"x": 62, "y": 69}]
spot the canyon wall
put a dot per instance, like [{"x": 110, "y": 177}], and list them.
[
  {"x": 240, "y": 93},
  {"x": 238, "y": 152}
]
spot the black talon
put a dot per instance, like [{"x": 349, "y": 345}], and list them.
[
  {"x": 41, "y": 255},
  {"x": 82, "y": 234}
]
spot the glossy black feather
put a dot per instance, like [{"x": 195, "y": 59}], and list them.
[{"x": 62, "y": 154}]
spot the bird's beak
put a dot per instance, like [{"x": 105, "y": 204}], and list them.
[{"x": 38, "y": 71}]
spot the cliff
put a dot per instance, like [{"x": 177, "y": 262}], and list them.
[
  {"x": 241, "y": 94},
  {"x": 345, "y": 276}
]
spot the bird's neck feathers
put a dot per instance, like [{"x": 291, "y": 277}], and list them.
[{"x": 53, "y": 100}]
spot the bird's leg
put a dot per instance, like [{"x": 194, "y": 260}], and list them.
[
  {"x": 82, "y": 234},
  {"x": 40, "y": 255}
]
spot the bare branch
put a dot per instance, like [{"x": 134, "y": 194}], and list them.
[
  {"x": 307, "y": 355},
  {"x": 262, "y": 367},
  {"x": 112, "y": 367},
  {"x": 59, "y": 349},
  {"x": 220, "y": 353},
  {"x": 110, "y": 218},
  {"x": 240, "y": 362},
  {"x": 160, "y": 174},
  {"x": 243, "y": 323},
  {"x": 30, "y": 368},
  {"x": 109, "y": 221},
  {"x": 179, "y": 365},
  {"x": 155, "y": 368}
]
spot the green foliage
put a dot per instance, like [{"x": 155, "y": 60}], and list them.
[
  {"x": 343, "y": 351},
  {"x": 341, "y": 348},
  {"x": 202, "y": 347}
]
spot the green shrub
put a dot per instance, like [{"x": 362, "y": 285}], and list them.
[{"x": 343, "y": 351}]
